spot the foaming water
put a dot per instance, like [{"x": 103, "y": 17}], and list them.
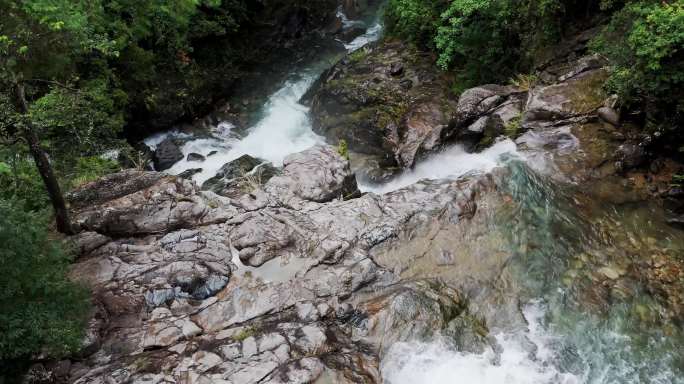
[
  {"x": 571, "y": 350},
  {"x": 524, "y": 357},
  {"x": 451, "y": 163},
  {"x": 372, "y": 34},
  {"x": 284, "y": 128}
]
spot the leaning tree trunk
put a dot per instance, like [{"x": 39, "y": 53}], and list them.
[{"x": 44, "y": 168}]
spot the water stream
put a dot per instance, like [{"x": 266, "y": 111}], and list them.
[{"x": 560, "y": 243}]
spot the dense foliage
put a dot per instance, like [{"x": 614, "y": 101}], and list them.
[
  {"x": 41, "y": 311},
  {"x": 493, "y": 40},
  {"x": 645, "y": 42},
  {"x": 486, "y": 40}
]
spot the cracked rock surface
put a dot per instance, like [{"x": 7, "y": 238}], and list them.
[{"x": 279, "y": 285}]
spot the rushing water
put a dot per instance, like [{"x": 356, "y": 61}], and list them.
[
  {"x": 563, "y": 249},
  {"x": 284, "y": 127},
  {"x": 559, "y": 244}
]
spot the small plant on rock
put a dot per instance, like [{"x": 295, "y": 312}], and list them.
[
  {"x": 343, "y": 149},
  {"x": 524, "y": 82}
]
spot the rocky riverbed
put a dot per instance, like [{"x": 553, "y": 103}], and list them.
[{"x": 527, "y": 267}]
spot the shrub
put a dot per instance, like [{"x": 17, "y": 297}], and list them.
[
  {"x": 90, "y": 168},
  {"x": 483, "y": 40},
  {"x": 41, "y": 311},
  {"x": 415, "y": 20},
  {"x": 20, "y": 181},
  {"x": 645, "y": 43}
]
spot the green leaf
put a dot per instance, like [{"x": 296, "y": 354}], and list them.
[{"x": 5, "y": 169}]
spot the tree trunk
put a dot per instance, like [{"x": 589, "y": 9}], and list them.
[{"x": 44, "y": 167}]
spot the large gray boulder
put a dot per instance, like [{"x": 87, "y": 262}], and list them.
[
  {"x": 317, "y": 174},
  {"x": 578, "y": 95},
  {"x": 388, "y": 101},
  {"x": 485, "y": 112}
]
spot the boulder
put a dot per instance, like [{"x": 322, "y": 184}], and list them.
[
  {"x": 243, "y": 174},
  {"x": 475, "y": 102},
  {"x": 485, "y": 112},
  {"x": 609, "y": 115},
  {"x": 144, "y": 202},
  {"x": 317, "y": 174},
  {"x": 389, "y": 101},
  {"x": 419, "y": 311},
  {"x": 577, "y": 96},
  {"x": 195, "y": 157},
  {"x": 630, "y": 156},
  {"x": 166, "y": 155},
  {"x": 189, "y": 173}
]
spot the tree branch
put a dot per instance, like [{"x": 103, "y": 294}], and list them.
[
  {"x": 10, "y": 142},
  {"x": 52, "y": 82}
]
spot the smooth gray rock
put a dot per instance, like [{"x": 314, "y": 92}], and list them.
[
  {"x": 609, "y": 115},
  {"x": 318, "y": 174}
]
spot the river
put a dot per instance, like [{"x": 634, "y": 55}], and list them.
[{"x": 562, "y": 245}]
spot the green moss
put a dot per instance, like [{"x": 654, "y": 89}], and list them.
[
  {"x": 245, "y": 333},
  {"x": 512, "y": 129},
  {"x": 391, "y": 113},
  {"x": 586, "y": 93},
  {"x": 357, "y": 55}
]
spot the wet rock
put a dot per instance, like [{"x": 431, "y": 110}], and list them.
[
  {"x": 317, "y": 174},
  {"x": 609, "y": 115},
  {"x": 577, "y": 96},
  {"x": 396, "y": 69},
  {"x": 630, "y": 156},
  {"x": 195, "y": 157},
  {"x": 414, "y": 312},
  {"x": 188, "y": 174},
  {"x": 240, "y": 176},
  {"x": 166, "y": 155},
  {"x": 394, "y": 111}
]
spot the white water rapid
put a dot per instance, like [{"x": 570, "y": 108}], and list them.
[
  {"x": 284, "y": 128},
  {"x": 524, "y": 357},
  {"x": 451, "y": 163}
]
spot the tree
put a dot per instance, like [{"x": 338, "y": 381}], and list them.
[
  {"x": 28, "y": 133},
  {"x": 41, "y": 311},
  {"x": 41, "y": 45}
]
